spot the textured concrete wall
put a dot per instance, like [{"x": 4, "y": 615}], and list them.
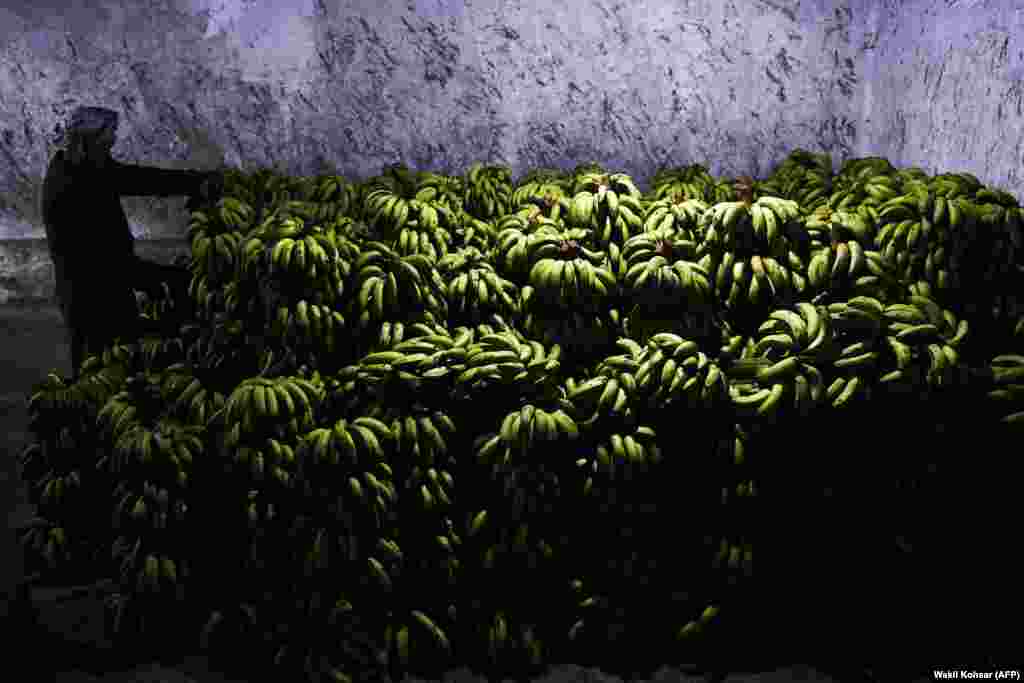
[
  {"x": 944, "y": 86},
  {"x": 436, "y": 84},
  {"x": 310, "y": 84}
]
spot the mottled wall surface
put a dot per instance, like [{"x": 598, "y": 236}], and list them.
[
  {"x": 312, "y": 84},
  {"x": 947, "y": 86}
]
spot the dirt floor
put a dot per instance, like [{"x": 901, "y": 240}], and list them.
[{"x": 34, "y": 343}]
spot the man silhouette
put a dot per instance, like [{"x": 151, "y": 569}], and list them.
[{"x": 89, "y": 239}]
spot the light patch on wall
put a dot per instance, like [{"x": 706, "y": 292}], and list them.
[
  {"x": 274, "y": 38},
  {"x": 223, "y": 15}
]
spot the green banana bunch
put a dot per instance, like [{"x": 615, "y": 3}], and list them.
[
  {"x": 593, "y": 178},
  {"x": 1008, "y": 382},
  {"x": 643, "y": 247},
  {"x": 660, "y": 285},
  {"x": 541, "y": 244},
  {"x": 509, "y": 252},
  {"x": 621, "y": 458},
  {"x": 615, "y": 263},
  {"x": 435, "y": 491},
  {"x": 777, "y": 378},
  {"x": 862, "y": 317},
  {"x": 424, "y": 439},
  {"x": 627, "y": 362},
  {"x": 476, "y": 290},
  {"x": 414, "y": 239},
  {"x": 804, "y": 329},
  {"x": 764, "y": 224},
  {"x": 675, "y": 215},
  {"x": 843, "y": 390},
  {"x": 176, "y": 448},
  {"x": 206, "y": 295},
  {"x": 772, "y": 220},
  {"x": 276, "y": 224},
  {"x": 546, "y": 201},
  {"x": 428, "y": 230},
  {"x": 496, "y": 358},
  {"x": 153, "y": 508},
  {"x": 215, "y": 256},
  {"x": 751, "y": 398},
  {"x": 916, "y": 249},
  {"x": 117, "y": 415},
  {"x": 540, "y": 183},
  {"x": 420, "y": 281},
  {"x": 719, "y": 191},
  {"x": 825, "y": 227},
  {"x": 417, "y": 641},
  {"x": 54, "y": 399},
  {"x": 475, "y": 233},
  {"x": 682, "y": 184},
  {"x": 920, "y": 329},
  {"x": 910, "y": 205},
  {"x": 46, "y": 540},
  {"x": 527, "y": 220},
  {"x": 520, "y": 430},
  {"x": 258, "y": 403},
  {"x": 601, "y": 397},
  {"x": 314, "y": 325},
  {"x": 154, "y": 574},
  {"x": 879, "y": 187},
  {"x": 571, "y": 282},
  {"x": 337, "y": 190},
  {"x": 608, "y": 202},
  {"x": 311, "y": 258},
  {"x": 139, "y": 401},
  {"x": 231, "y": 213},
  {"x": 836, "y": 265},
  {"x": 362, "y": 446},
  {"x": 396, "y": 331},
  {"x": 812, "y": 192},
  {"x": 614, "y": 217},
  {"x": 488, "y": 192},
  {"x": 673, "y": 369},
  {"x": 377, "y": 273},
  {"x": 55, "y": 493},
  {"x": 582, "y": 170},
  {"x": 386, "y": 211},
  {"x": 845, "y": 195},
  {"x": 734, "y": 278},
  {"x": 432, "y": 356},
  {"x": 443, "y": 190},
  {"x": 148, "y": 447},
  {"x": 158, "y": 352}
]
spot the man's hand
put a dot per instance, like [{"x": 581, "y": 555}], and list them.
[
  {"x": 210, "y": 190},
  {"x": 212, "y": 187}
]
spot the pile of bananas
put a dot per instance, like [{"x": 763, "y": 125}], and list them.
[
  {"x": 398, "y": 394},
  {"x": 475, "y": 290}
]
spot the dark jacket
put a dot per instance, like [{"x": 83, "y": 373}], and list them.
[
  {"x": 89, "y": 238},
  {"x": 83, "y": 214}
]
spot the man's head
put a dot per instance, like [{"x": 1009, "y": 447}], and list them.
[{"x": 91, "y": 135}]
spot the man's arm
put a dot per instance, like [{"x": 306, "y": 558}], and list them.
[{"x": 132, "y": 180}]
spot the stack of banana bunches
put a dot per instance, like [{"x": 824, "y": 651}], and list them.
[{"x": 424, "y": 421}]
